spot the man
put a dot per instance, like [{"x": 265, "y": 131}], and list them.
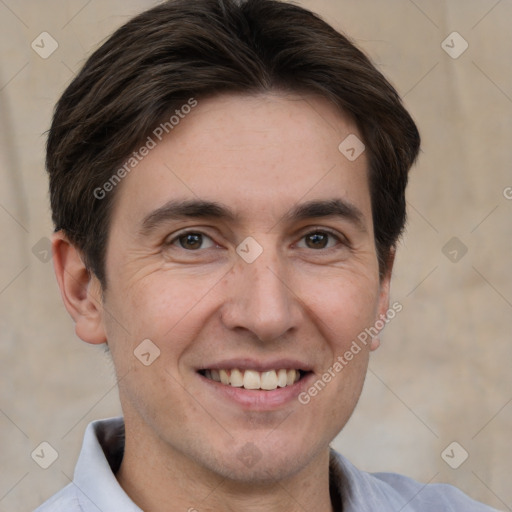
[{"x": 228, "y": 186}]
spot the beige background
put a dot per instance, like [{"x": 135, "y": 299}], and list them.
[{"x": 443, "y": 372}]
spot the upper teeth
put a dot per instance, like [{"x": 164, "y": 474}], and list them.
[{"x": 252, "y": 379}]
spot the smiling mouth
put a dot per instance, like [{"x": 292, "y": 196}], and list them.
[{"x": 252, "y": 379}]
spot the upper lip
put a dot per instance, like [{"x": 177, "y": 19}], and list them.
[{"x": 259, "y": 366}]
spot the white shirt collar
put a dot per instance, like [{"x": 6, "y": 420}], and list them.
[{"x": 94, "y": 477}]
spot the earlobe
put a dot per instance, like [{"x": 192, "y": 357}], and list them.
[
  {"x": 80, "y": 290},
  {"x": 385, "y": 284}
]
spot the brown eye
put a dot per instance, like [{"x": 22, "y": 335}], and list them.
[
  {"x": 320, "y": 240},
  {"x": 192, "y": 241},
  {"x": 317, "y": 240}
]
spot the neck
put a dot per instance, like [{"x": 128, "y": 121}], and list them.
[{"x": 159, "y": 478}]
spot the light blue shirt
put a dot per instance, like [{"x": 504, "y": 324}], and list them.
[{"x": 95, "y": 488}]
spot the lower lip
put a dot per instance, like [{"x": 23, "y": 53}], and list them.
[{"x": 260, "y": 400}]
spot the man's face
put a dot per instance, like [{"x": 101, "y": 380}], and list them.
[{"x": 189, "y": 279}]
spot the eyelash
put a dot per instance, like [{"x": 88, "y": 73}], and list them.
[{"x": 340, "y": 239}]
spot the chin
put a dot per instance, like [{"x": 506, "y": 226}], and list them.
[
  {"x": 263, "y": 463},
  {"x": 267, "y": 470}
]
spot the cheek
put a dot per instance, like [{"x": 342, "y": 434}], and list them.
[
  {"x": 160, "y": 306},
  {"x": 346, "y": 305},
  {"x": 164, "y": 311}
]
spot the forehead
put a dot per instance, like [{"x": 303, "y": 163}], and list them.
[{"x": 260, "y": 154}]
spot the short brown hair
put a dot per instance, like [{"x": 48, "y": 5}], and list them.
[{"x": 181, "y": 49}]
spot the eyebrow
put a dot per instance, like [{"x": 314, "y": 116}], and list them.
[
  {"x": 182, "y": 209},
  {"x": 327, "y": 208},
  {"x": 202, "y": 209}
]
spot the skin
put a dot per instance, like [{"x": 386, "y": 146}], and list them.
[{"x": 261, "y": 156}]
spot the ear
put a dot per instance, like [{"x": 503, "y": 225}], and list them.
[
  {"x": 383, "y": 308},
  {"x": 80, "y": 290}
]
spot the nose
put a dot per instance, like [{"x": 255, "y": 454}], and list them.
[{"x": 260, "y": 298}]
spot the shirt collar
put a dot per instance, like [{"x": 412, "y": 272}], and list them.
[
  {"x": 102, "y": 453},
  {"x": 95, "y": 470}
]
